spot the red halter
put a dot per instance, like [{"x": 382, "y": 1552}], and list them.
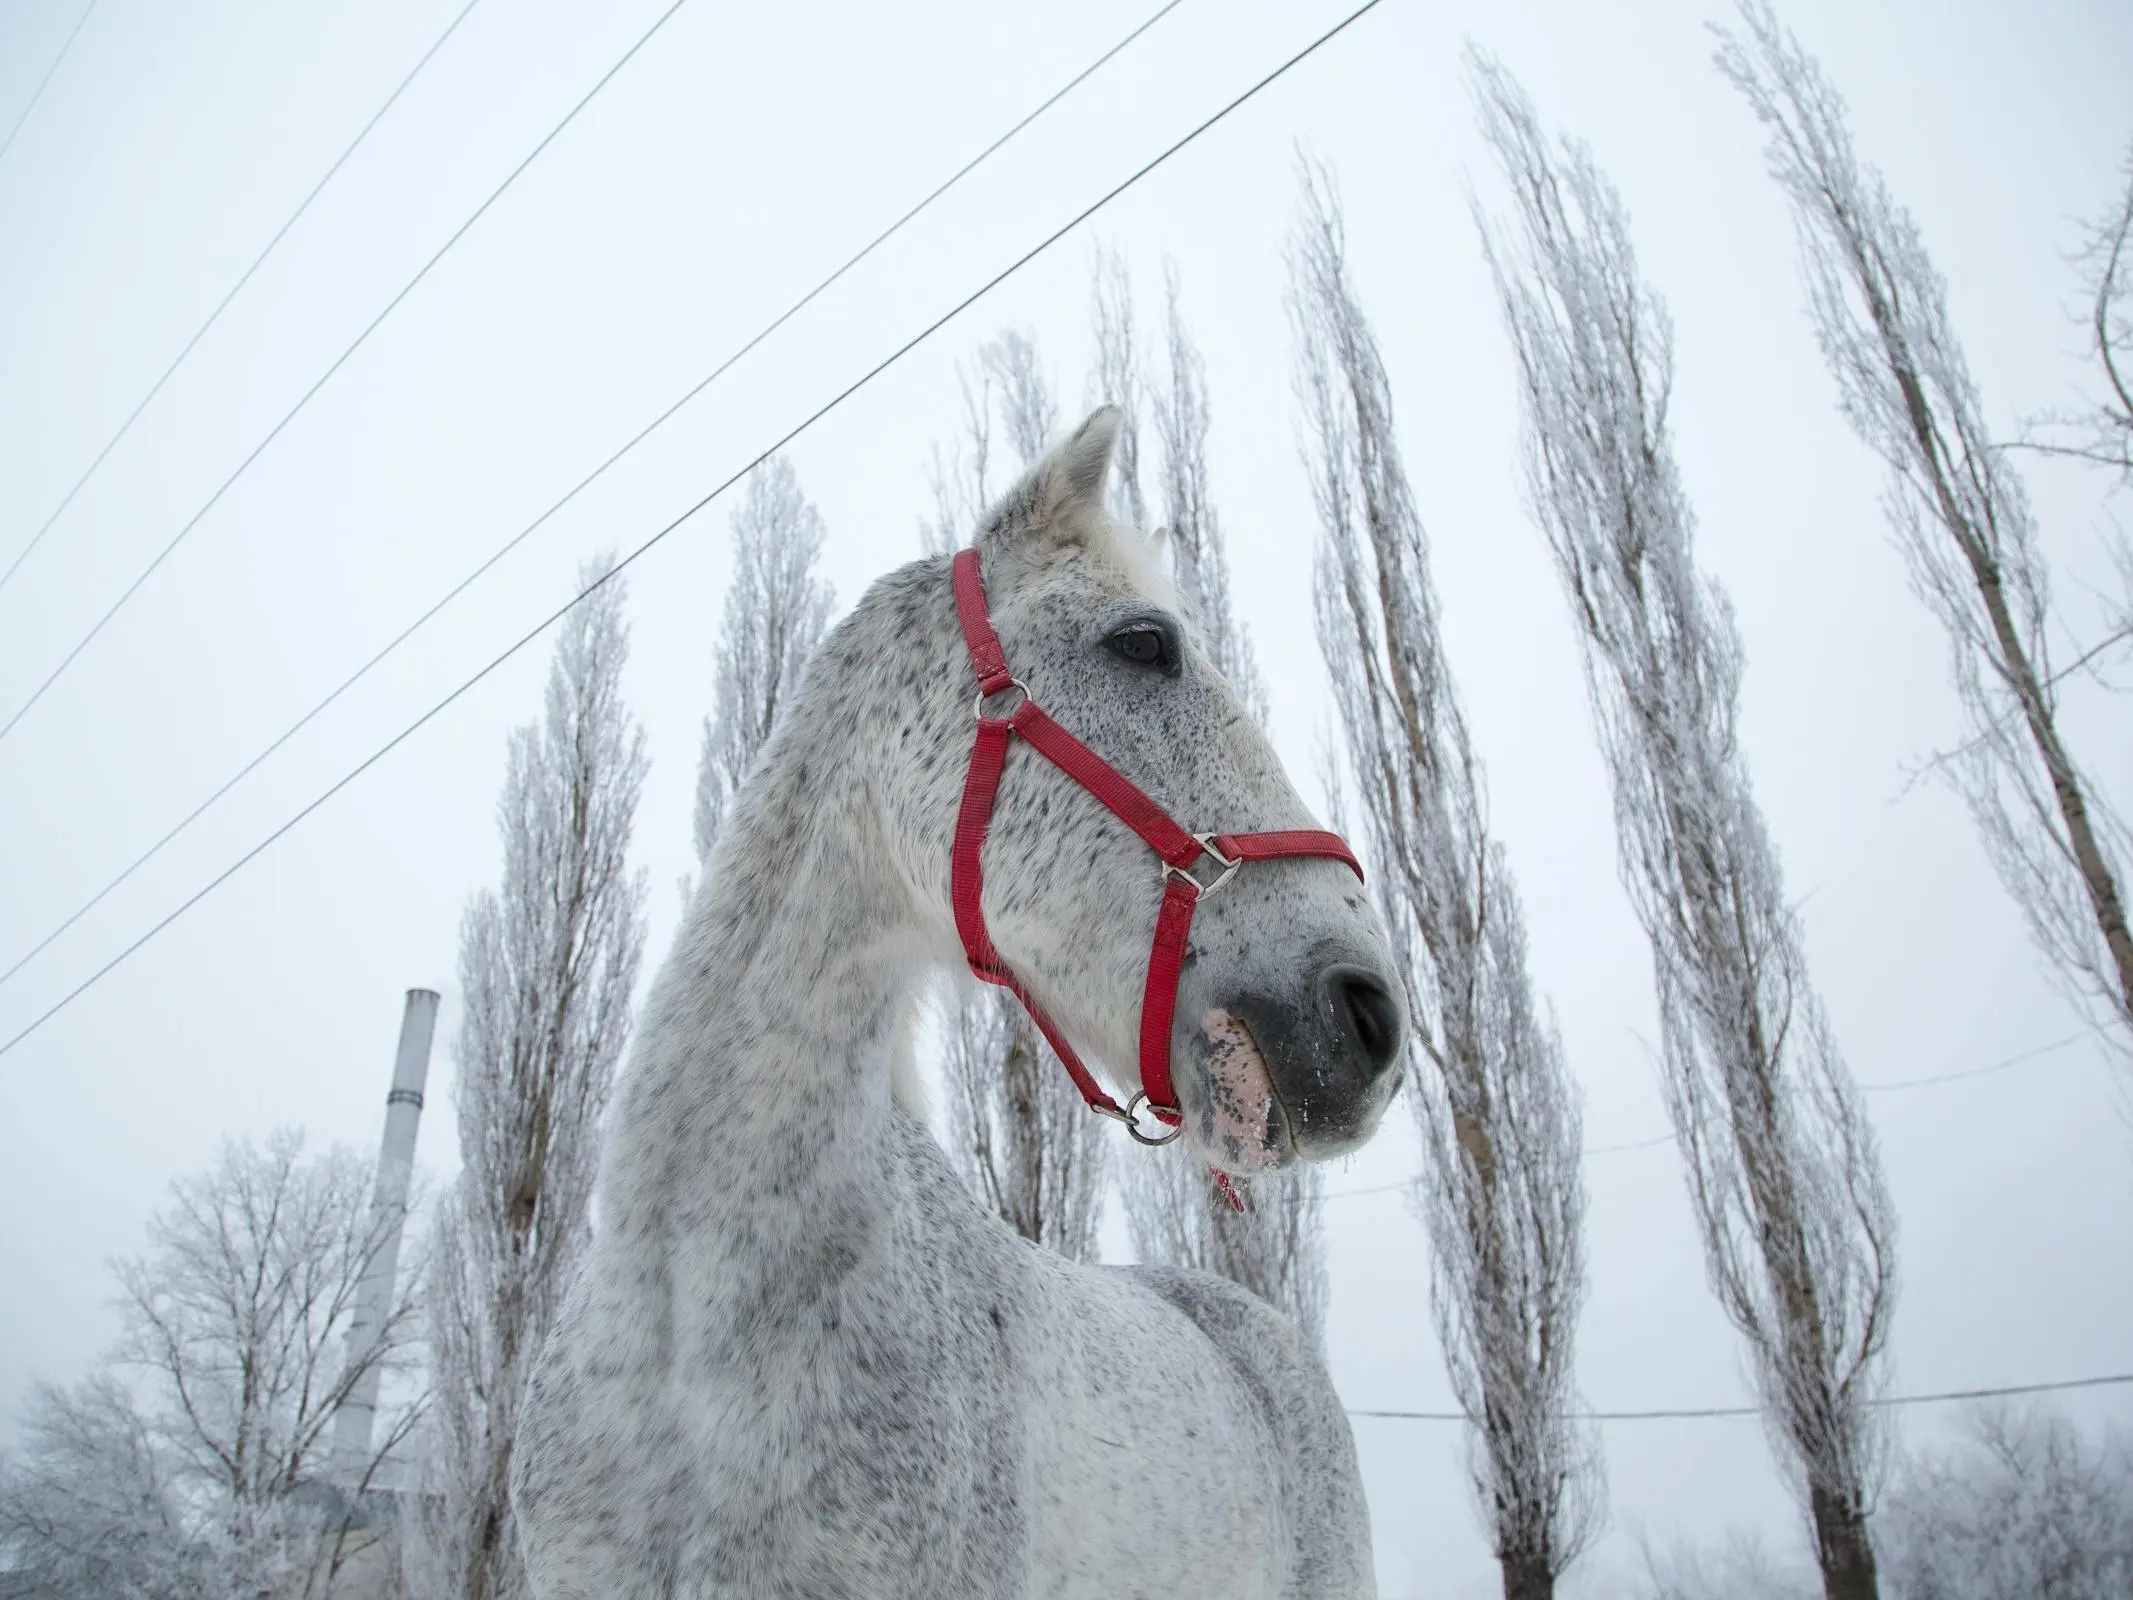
[{"x": 1179, "y": 850}]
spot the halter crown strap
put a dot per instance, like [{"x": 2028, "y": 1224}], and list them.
[
  {"x": 1179, "y": 849},
  {"x": 987, "y": 659}
]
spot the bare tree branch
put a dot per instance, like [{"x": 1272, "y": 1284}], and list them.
[
  {"x": 2102, "y": 432},
  {"x": 2025, "y": 1507}
]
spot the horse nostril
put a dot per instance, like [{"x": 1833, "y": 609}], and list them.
[{"x": 1366, "y": 1008}]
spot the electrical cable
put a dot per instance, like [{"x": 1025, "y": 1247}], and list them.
[
  {"x": 1899, "y": 1084},
  {"x": 325, "y": 377},
  {"x": 1697, "y": 1413},
  {"x": 37, "y": 93},
  {"x": 578, "y": 488},
  {"x": 236, "y": 288},
  {"x": 791, "y": 434},
  {"x": 1653, "y": 1143}
]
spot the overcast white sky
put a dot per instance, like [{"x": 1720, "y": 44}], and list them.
[{"x": 740, "y": 156}]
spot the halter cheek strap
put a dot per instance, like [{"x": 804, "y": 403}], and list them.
[{"x": 1181, "y": 853}]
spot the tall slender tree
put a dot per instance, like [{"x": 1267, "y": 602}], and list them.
[
  {"x": 1177, "y": 1215},
  {"x": 1115, "y": 378},
  {"x": 1501, "y": 1190},
  {"x": 1199, "y": 552},
  {"x": 1799, "y": 1237},
  {"x": 1025, "y": 1141},
  {"x": 1961, "y": 514},
  {"x": 546, "y": 967},
  {"x": 776, "y": 609}
]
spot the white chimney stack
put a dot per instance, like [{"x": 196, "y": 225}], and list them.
[{"x": 388, "y": 1211}]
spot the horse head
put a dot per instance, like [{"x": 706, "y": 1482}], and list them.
[{"x": 1289, "y": 1018}]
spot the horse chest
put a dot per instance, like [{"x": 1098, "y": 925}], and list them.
[
  {"x": 953, "y": 1416},
  {"x": 900, "y": 1399}
]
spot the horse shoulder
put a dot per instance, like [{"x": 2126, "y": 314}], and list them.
[{"x": 1289, "y": 1386}]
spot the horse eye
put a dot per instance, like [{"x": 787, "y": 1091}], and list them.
[{"x": 1144, "y": 647}]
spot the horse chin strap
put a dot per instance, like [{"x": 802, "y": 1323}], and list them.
[{"x": 1180, "y": 852}]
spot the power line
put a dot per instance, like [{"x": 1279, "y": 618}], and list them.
[
  {"x": 582, "y": 484},
  {"x": 1697, "y": 1413},
  {"x": 1375, "y": 1188},
  {"x": 787, "y": 438},
  {"x": 37, "y": 93},
  {"x": 1975, "y": 1072},
  {"x": 1653, "y": 1143},
  {"x": 236, "y": 288},
  {"x": 325, "y": 377}
]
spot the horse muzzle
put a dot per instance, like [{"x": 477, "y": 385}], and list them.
[{"x": 1304, "y": 1075}]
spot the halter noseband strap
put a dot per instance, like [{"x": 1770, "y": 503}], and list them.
[{"x": 1181, "y": 851}]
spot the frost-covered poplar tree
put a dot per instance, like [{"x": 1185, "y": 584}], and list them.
[
  {"x": 1177, "y": 1216},
  {"x": 1028, "y": 410},
  {"x": 195, "y": 1462},
  {"x": 1799, "y": 1237},
  {"x": 776, "y": 609},
  {"x": 1198, "y": 552},
  {"x": 1961, "y": 514},
  {"x": 1022, "y": 1135},
  {"x": 546, "y": 967},
  {"x": 1501, "y": 1190},
  {"x": 1115, "y": 379}
]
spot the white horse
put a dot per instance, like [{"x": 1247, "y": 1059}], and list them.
[{"x": 800, "y": 1360}]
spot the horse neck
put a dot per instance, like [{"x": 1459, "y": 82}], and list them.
[{"x": 761, "y": 1076}]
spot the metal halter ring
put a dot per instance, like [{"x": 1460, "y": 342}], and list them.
[
  {"x": 1133, "y": 1125},
  {"x": 1012, "y": 683},
  {"x": 1229, "y": 868}
]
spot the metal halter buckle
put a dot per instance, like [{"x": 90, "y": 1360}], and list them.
[
  {"x": 1207, "y": 846},
  {"x": 1012, "y": 683},
  {"x": 1133, "y": 1125}
]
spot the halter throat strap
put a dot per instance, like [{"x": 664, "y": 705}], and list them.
[{"x": 1194, "y": 866}]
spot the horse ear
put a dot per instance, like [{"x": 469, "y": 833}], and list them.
[
  {"x": 1074, "y": 475},
  {"x": 1058, "y": 496}
]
